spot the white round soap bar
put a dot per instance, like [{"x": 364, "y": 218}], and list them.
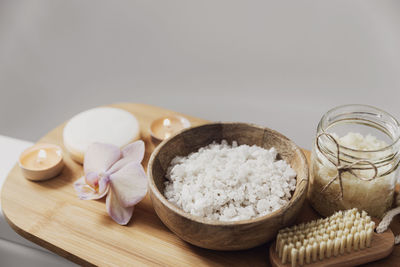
[{"x": 106, "y": 125}]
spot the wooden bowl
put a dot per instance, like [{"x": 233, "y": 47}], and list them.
[{"x": 213, "y": 234}]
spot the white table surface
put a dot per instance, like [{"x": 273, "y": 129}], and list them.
[
  {"x": 14, "y": 249},
  {"x": 10, "y": 148}
]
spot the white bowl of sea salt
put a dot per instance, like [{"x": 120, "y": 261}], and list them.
[{"x": 227, "y": 186}]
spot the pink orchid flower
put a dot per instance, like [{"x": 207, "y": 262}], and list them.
[{"x": 117, "y": 174}]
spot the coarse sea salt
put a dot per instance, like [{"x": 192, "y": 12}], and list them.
[{"x": 230, "y": 182}]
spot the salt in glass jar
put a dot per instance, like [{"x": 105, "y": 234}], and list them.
[{"x": 368, "y": 174}]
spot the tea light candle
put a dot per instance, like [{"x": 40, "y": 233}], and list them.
[
  {"x": 41, "y": 162},
  {"x": 164, "y": 127}
]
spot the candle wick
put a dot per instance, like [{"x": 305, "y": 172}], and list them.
[
  {"x": 41, "y": 156},
  {"x": 167, "y": 123}
]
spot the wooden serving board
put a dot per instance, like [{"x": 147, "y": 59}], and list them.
[{"x": 50, "y": 214}]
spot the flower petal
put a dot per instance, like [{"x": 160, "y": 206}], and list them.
[
  {"x": 129, "y": 184},
  {"x": 92, "y": 179},
  {"x": 131, "y": 153},
  {"x": 117, "y": 212},
  {"x": 134, "y": 151},
  {"x": 104, "y": 186},
  {"x": 85, "y": 192},
  {"x": 99, "y": 157}
]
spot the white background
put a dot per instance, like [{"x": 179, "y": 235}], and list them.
[{"x": 281, "y": 64}]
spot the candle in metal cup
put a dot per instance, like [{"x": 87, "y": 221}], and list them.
[
  {"x": 41, "y": 161},
  {"x": 164, "y": 127}
]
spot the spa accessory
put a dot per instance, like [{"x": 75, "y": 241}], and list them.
[
  {"x": 41, "y": 162},
  {"x": 355, "y": 156},
  {"x": 117, "y": 174},
  {"x": 105, "y": 125},
  {"x": 212, "y": 233},
  {"x": 346, "y": 238},
  {"x": 164, "y": 127}
]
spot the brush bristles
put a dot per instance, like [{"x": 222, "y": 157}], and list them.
[{"x": 344, "y": 231}]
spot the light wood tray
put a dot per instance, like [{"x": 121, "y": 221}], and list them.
[{"x": 50, "y": 214}]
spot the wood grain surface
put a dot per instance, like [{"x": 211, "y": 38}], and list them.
[{"x": 50, "y": 214}]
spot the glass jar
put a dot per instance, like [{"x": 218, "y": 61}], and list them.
[{"x": 363, "y": 186}]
